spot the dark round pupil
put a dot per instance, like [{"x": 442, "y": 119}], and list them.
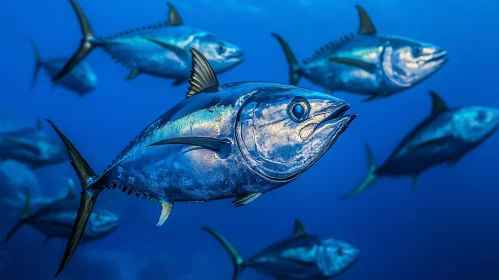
[
  {"x": 298, "y": 111},
  {"x": 221, "y": 48}
]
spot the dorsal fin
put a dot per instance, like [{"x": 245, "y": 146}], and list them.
[
  {"x": 298, "y": 229},
  {"x": 366, "y": 25},
  {"x": 174, "y": 17},
  {"x": 202, "y": 75},
  {"x": 438, "y": 104}
]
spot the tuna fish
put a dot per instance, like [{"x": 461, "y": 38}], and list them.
[
  {"x": 31, "y": 146},
  {"x": 444, "y": 137},
  {"x": 81, "y": 79},
  {"x": 299, "y": 256},
  {"x": 142, "y": 50},
  {"x": 55, "y": 220},
  {"x": 367, "y": 63},
  {"x": 236, "y": 140}
]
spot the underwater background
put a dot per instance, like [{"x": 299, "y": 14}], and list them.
[{"x": 445, "y": 228}]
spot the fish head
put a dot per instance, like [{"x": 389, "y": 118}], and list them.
[
  {"x": 102, "y": 223},
  {"x": 335, "y": 257},
  {"x": 474, "y": 124},
  {"x": 88, "y": 79},
  {"x": 221, "y": 54},
  {"x": 283, "y": 131},
  {"x": 407, "y": 62},
  {"x": 53, "y": 151}
]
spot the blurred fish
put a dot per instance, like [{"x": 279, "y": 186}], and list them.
[
  {"x": 81, "y": 79},
  {"x": 7, "y": 123},
  {"x": 32, "y": 147},
  {"x": 367, "y": 63},
  {"x": 14, "y": 178},
  {"x": 299, "y": 256},
  {"x": 444, "y": 137},
  {"x": 223, "y": 141},
  {"x": 56, "y": 219},
  {"x": 142, "y": 50}
]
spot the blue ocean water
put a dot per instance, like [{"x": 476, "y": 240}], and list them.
[{"x": 445, "y": 228}]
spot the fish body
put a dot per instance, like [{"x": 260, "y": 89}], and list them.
[
  {"x": 159, "y": 50},
  {"x": 32, "y": 147},
  {"x": 368, "y": 63},
  {"x": 444, "y": 137},
  {"x": 82, "y": 80},
  {"x": 55, "y": 220},
  {"x": 237, "y": 140},
  {"x": 299, "y": 256}
]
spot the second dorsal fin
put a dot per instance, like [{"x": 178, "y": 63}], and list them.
[
  {"x": 366, "y": 25},
  {"x": 298, "y": 229},
  {"x": 174, "y": 17},
  {"x": 203, "y": 78},
  {"x": 438, "y": 104}
]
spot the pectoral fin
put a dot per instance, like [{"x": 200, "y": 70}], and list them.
[
  {"x": 221, "y": 146},
  {"x": 375, "y": 96},
  {"x": 23, "y": 145},
  {"x": 354, "y": 62},
  {"x": 298, "y": 261},
  {"x": 166, "y": 208},
  {"x": 181, "y": 53},
  {"x": 245, "y": 199},
  {"x": 429, "y": 142},
  {"x": 415, "y": 179}
]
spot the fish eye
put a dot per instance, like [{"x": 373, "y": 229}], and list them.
[
  {"x": 340, "y": 252},
  {"x": 417, "y": 51},
  {"x": 298, "y": 109},
  {"x": 221, "y": 48},
  {"x": 481, "y": 116}
]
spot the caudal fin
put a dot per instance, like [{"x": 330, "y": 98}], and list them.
[
  {"x": 370, "y": 178},
  {"x": 86, "y": 44},
  {"x": 24, "y": 220},
  {"x": 89, "y": 194},
  {"x": 38, "y": 63},
  {"x": 237, "y": 260},
  {"x": 295, "y": 72}
]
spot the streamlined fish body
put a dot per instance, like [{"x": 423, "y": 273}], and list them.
[
  {"x": 367, "y": 63},
  {"x": 159, "y": 50},
  {"x": 446, "y": 136},
  {"x": 56, "y": 219},
  {"x": 81, "y": 79},
  {"x": 299, "y": 256},
  {"x": 222, "y": 141},
  {"x": 32, "y": 147}
]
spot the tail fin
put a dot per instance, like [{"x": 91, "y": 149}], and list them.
[
  {"x": 295, "y": 72},
  {"x": 237, "y": 260},
  {"x": 38, "y": 63},
  {"x": 86, "y": 44},
  {"x": 24, "y": 220},
  {"x": 88, "y": 196},
  {"x": 370, "y": 178}
]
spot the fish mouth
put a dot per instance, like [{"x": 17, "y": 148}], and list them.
[
  {"x": 438, "y": 59},
  {"x": 339, "y": 120},
  {"x": 236, "y": 57}
]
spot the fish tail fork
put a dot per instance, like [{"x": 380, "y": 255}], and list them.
[
  {"x": 369, "y": 179},
  {"x": 237, "y": 260},
  {"x": 86, "y": 44},
  {"x": 90, "y": 191},
  {"x": 295, "y": 71}
]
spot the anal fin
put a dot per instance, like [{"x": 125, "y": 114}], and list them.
[
  {"x": 245, "y": 199},
  {"x": 166, "y": 208},
  {"x": 133, "y": 74}
]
